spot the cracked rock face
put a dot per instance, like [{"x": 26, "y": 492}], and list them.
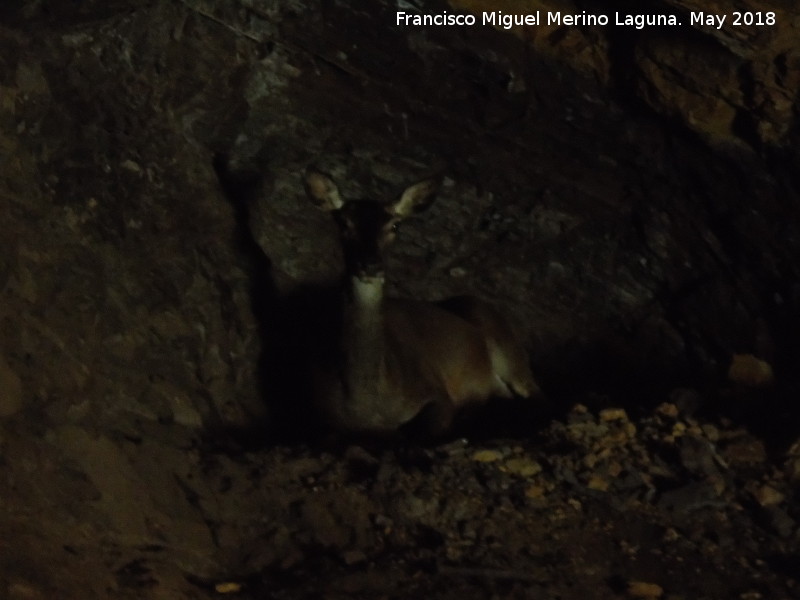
[
  {"x": 728, "y": 72},
  {"x": 628, "y": 196}
]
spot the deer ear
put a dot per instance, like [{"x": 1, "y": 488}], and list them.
[
  {"x": 323, "y": 191},
  {"x": 416, "y": 198}
]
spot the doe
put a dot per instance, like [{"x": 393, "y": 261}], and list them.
[{"x": 406, "y": 359}]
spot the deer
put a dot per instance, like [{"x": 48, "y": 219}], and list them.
[{"x": 405, "y": 360}]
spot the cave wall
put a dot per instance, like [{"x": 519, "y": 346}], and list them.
[
  {"x": 615, "y": 220},
  {"x": 627, "y": 194}
]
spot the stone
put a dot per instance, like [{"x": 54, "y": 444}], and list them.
[{"x": 10, "y": 390}]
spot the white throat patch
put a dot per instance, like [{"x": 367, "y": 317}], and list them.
[{"x": 368, "y": 291}]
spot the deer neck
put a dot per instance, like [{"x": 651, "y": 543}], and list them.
[{"x": 364, "y": 335}]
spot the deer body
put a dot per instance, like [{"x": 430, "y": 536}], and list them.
[{"x": 405, "y": 359}]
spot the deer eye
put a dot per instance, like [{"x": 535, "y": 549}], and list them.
[{"x": 388, "y": 228}]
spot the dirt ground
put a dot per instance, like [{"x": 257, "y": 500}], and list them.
[{"x": 594, "y": 505}]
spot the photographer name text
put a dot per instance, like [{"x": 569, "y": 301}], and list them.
[{"x": 584, "y": 19}]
